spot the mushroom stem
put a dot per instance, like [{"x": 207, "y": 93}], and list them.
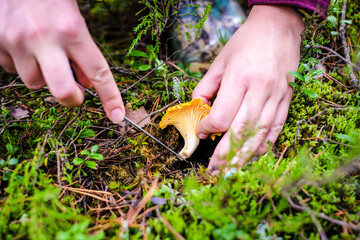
[{"x": 191, "y": 143}]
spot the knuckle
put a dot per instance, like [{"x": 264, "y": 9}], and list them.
[
  {"x": 262, "y": 80},
  {"x": 13, "y": 38},
  {"x": 69, "y": 26},
  {"x": 36, "y": 32},
  {"x": 100, "y": 75},
  {"x": 219, "y": 124},
  {"x": 262, "y": 131},
  {"x": 267, "y": 82},
  {"x": 239, "y": 130}
]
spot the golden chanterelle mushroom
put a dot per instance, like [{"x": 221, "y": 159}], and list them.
[{"x": 186, "y": 117}]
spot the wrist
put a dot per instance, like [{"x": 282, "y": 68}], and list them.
[{"x": 281, "y": 18}]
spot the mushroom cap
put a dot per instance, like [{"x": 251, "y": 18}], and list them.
[{"x": 186, "y": 117}]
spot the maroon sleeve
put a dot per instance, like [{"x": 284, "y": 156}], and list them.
[{"x": 310, "y": 6}]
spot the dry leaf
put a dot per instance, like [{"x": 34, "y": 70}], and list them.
[
  {"x": 139, "y": 116},
  {"x": 51, "y": 100},
  {"x": 17, "y": 112}
]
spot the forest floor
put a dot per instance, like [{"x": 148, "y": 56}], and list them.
[{"x": 70, "y": 173}]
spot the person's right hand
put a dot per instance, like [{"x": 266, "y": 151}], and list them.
[
  {"x": 43, "y": 40},
  {"x": 250, "y": 82}
]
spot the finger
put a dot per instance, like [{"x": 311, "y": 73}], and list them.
[
  {"x": 80, "y": 76},
  {"x": 245, "y": 120},
  {"x": 29, "y": 71},
  {"x": 278, "y": 124},
  {"x": 262, "y": 129},
  {"x": 58, "y": 75},
  {"x": 210, "y": 83},
  {"x": 224, "y": 108},
  {"x": 218, "y": 158},
  {"x": 6, "y": 62},
  {"x": 92, "y": 63}
]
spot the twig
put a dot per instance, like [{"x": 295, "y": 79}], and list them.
[
  {"x": 68, "y": 124},
  {"x": 312, "y": 215},
  {"x": 162, "y": 109},
  {"x": 348, "y": 169},
  {"x": 122, "y": 70},
  {"x": 56, "y": 151},
  {"x": 168, "y": 225},
  {"x": 12, "y": 85},
  {"x": 281, "y": 156},
  {"x": 321, "y": 215},
  {"x": 134, "y": 212},
  {"x": 342, "y": 29},
  {"x": 86, "y": 192},
  {"x": 337, "y": 54},
  {"x": 141, "y": 79},
  {"x": 335, "y": 80}
]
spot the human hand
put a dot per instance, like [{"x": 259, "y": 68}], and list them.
[
  {"x": 251, "y": 79},
  {"x": 43, "y": 40}
]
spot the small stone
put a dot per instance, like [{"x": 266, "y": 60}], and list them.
[{"x": 158, "y": 200}]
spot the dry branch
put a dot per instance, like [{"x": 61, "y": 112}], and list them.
[{"x": 342, "y": 30}]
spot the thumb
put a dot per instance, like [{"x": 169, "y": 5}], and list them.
[
  {"x": 211, "y": 124},
  {"x": 202, "y": 129},
  {"x": 209, "y": 84}
]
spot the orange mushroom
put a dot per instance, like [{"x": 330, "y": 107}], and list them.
[{"x": 186, "y": 117}]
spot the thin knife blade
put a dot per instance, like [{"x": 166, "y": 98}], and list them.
[
  {"x": 154, "y": 138},
  {"x": 143, "y": 130}
]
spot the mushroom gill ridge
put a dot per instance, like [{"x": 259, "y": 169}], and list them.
[{"x": 186, "y": 117}]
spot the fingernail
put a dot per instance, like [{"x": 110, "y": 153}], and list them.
[
  {"x": 202, "y": 135},
  {"x": 117, "y": 115}
]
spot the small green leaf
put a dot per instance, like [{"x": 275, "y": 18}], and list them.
[
  {"x": 94, "y": 148},
  {"x": 87, "y": 133},
  {"x": 347, "y": 21},
  {"x": 11, "y": 149},
  {"x": 96, "y": 156},
  {"x": 316, "y": 81},
  {"x": 293, "y": 84},
  {"x": 334, "y": 33},
  {"x": 297, "y": 75},
  {"x": 332, "y": 19},
  {"x": 310, "y": 93},
  {"x": 17, "y": 177},
  {"x": 346, "y": 137},
  {"x": 306, "y": 67},
  {"x": 91, "y": 164},
  {"x": 173, "y": 74},
  {"x": 317, "y": 72},
  {"x": 138, "y": 53},
  {"x": 52, "y": 111},
  {"x": 196, "y": 74},
  {"x": 13, "y": 161},
  {"x": 2, "y": 163},
  {"x": 144, "y": 67},
  {"x": 6, "y": 175},
  {"x": 188, "y": 36},
  {"x": 85, "y": 152},
  {"x": 78, "y": 161}
]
